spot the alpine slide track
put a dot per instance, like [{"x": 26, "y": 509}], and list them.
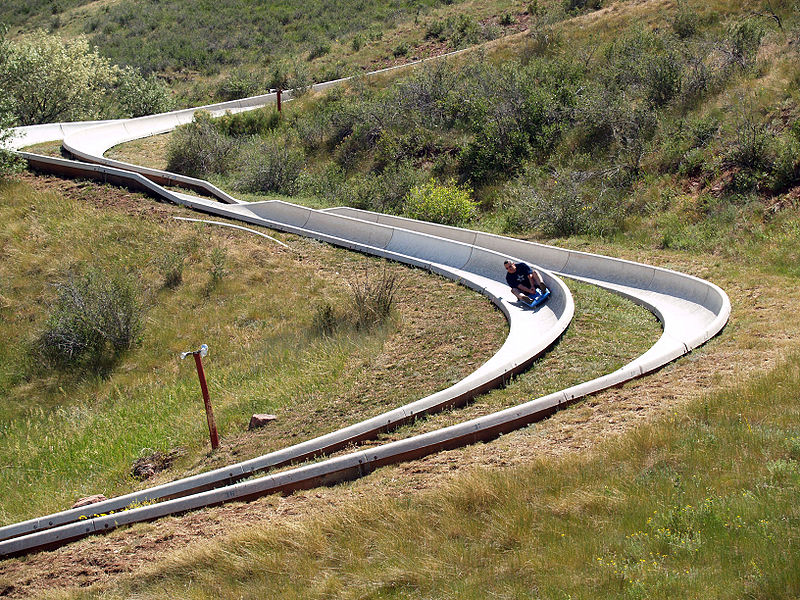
[{"x": 690, "y": 310}]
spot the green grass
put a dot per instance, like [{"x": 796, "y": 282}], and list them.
[
  {"x": 67, "y": 435},
  {"x": 698, "y": 505}
]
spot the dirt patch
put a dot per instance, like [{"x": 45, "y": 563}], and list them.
[
  {"x": 153, "y": 462},
  {"x": 103, "y": 196}
]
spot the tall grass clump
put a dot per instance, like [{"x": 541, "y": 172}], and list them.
[
  {"x": 373, "y": 295},
  {"x": 95, "y": 318},
  {"x": 171, "y": 266}
]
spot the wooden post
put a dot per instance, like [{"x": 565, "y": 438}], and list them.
[
  {"x": 212, "y": 425},
  {"x": 278, "y": 95}
]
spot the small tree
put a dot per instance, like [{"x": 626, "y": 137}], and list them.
[{"x": 50, "y": 79}]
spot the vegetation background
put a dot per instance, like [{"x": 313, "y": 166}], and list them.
[{"x": 662, "y": 131}]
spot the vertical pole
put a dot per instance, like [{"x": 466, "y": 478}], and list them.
[
  {"x": 212, "y": 426},
  {"x": 279, "y": 99}
]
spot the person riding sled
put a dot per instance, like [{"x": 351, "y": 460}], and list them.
[{"x": 524, "y": 281}]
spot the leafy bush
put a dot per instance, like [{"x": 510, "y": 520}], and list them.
[
  {"x": 646, "y": 64},
  {"x": 568, "y": 202},
  {"x": 290, "y": 75},
  {"x": 137, "y": 96},
  {"x": 402, "y": 49},
  {"x": 240, "y": 84},
  {"x": 199, "y": 149},
  {"x": 743, "y": 41},
  {"x": 319, "y": 49},
  {"x": 752, "y": 144},
  {"x": 95, "y": 318},
  {"x": 461, "y": 30},
  {"x": 272, "y": 165},
  {"x": 50, "y": 79},
  {"x": 449, "y": 204},
  {"x": 9, "y": 163},
  {"x": 785, "y": 171},
  {"x": 507, "y": 19}
]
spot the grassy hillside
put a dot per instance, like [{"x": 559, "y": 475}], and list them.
[
  {"x": 699, "y": 505},
  {"x": 655, "y": 130},
  {"x": 217, "y": 50},
  {"x": 656, "y": 125},
  {"x": 69, "y": 432}
]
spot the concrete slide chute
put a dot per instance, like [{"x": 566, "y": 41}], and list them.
[{"x": 691, "y": 311}]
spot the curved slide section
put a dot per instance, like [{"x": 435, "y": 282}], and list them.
[
  {"x": 447, "y": 257},
  {"x": 691, "y": 311}
]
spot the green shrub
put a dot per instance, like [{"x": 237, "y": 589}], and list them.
[
  {"x": 9, "y": 162},
  {"x": 199, "y": 149},
  {"x": 449, "y": 203},
  {"x": 240, "y": 84},
  {"x": 290, "y": 75},
  {"x": 137, "y": 96},
  {"x": 752, "y": 146},
  {"x": 51, "y": 79},
  {"x": 507, "y": 19},
  {"x": 319, "y": 49},
  {"x": 273, "y": 165},
  {"x": 568, "y": 202},
  {"x": 402, "y": 49},
  {"x": 785, "y": 169},
  {"x": 250, "y": 122},
  {"x": 94, "y": 319},
  {"x": 358, "y": 42},
  {"x": 435, "y": 30},
  {"x": 743, "y": 41}
]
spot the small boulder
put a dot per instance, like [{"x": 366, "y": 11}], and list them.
[
  {"x": 257, "y": 421},
  {"x": 89, "y": 500}
]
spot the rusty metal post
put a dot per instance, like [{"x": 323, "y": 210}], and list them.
[
  {"x": 212, "y": 425},
  {"x": 278, "y": 95},
  {"x": 201, "y": 375}
]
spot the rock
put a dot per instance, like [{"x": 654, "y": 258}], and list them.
[
  {"x": 257, "y": 421},
  {"x": 89, "y": 500}
]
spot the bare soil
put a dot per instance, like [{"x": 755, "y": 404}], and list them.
[{"x": 763, "y": 329}]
